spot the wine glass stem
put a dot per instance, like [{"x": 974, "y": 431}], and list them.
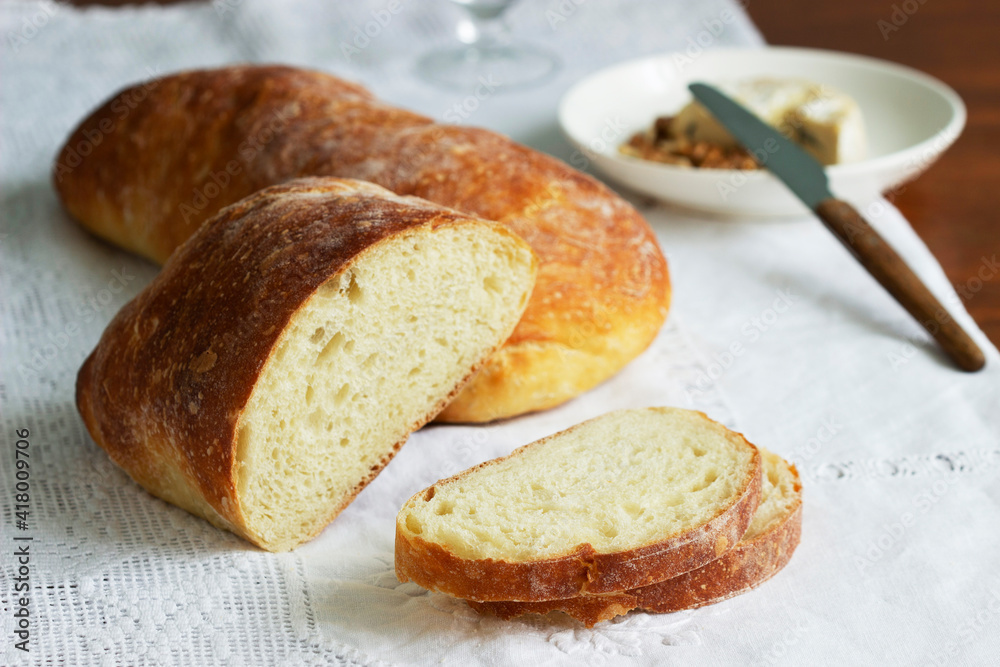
[{"x": 488, "y": 30}]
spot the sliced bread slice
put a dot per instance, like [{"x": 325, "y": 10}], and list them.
[
  {"x": 621, "y": 501},
  {"x": 291, "y": 345},
  {"x": 766, "y": 547}
]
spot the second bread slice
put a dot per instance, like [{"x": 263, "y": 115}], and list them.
[
  {"x": 624, "y": 500},
  {"x": 766, "y": 547}
]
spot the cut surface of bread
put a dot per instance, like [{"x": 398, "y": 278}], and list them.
[
  {"x": 624, "y": 500},
  {"x": 287, "y": 350},
  {"x": 765, "y": 549},
  {"x": 201, "y": 140}
]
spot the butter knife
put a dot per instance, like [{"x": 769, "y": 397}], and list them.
[{"x": 805, "y": 177}]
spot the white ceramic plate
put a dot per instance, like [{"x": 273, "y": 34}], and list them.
[{"x": 910, "y": 119}]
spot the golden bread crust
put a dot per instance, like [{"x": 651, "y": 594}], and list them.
[{"x": 164, "y": 156}]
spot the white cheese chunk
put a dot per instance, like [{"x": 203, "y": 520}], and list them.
[{"x": 824, "y": 121}]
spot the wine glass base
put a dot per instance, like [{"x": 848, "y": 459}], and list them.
[{"x": 500, "y": 66}]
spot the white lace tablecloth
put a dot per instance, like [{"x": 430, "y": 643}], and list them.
[{"x": 900, "y": 554}]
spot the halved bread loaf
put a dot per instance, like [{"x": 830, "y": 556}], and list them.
[
  {"x": 289, "y": 347},
  {"x": 621, "y": 501},
  {"x": 766, "y": 547},
  {"x": 194, "y": 142}
]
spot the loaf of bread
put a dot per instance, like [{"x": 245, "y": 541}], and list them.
[
  {"x": 766, "y": 547},
  {"x": 289, "y": 347},
  {"x": 147, "y": 168},
  {"x": 625, "y": 500}
]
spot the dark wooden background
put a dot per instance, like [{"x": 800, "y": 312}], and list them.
[{"x": 953, "y": 205}]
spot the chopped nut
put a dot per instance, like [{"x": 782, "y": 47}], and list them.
[
  {"x": 660, "y": 144},
  {"x": 662, "y": 128}
]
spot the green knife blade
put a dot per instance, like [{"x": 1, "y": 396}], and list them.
[{"x": 786, "y": 160}]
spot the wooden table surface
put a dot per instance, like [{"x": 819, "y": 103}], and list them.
[{"x": 953, "y": 205}]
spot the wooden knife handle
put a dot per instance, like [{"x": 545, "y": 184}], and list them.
[{"x": 899, "y": 280}]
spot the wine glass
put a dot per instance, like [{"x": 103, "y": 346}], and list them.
[{"x": 487, "y": 53}]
